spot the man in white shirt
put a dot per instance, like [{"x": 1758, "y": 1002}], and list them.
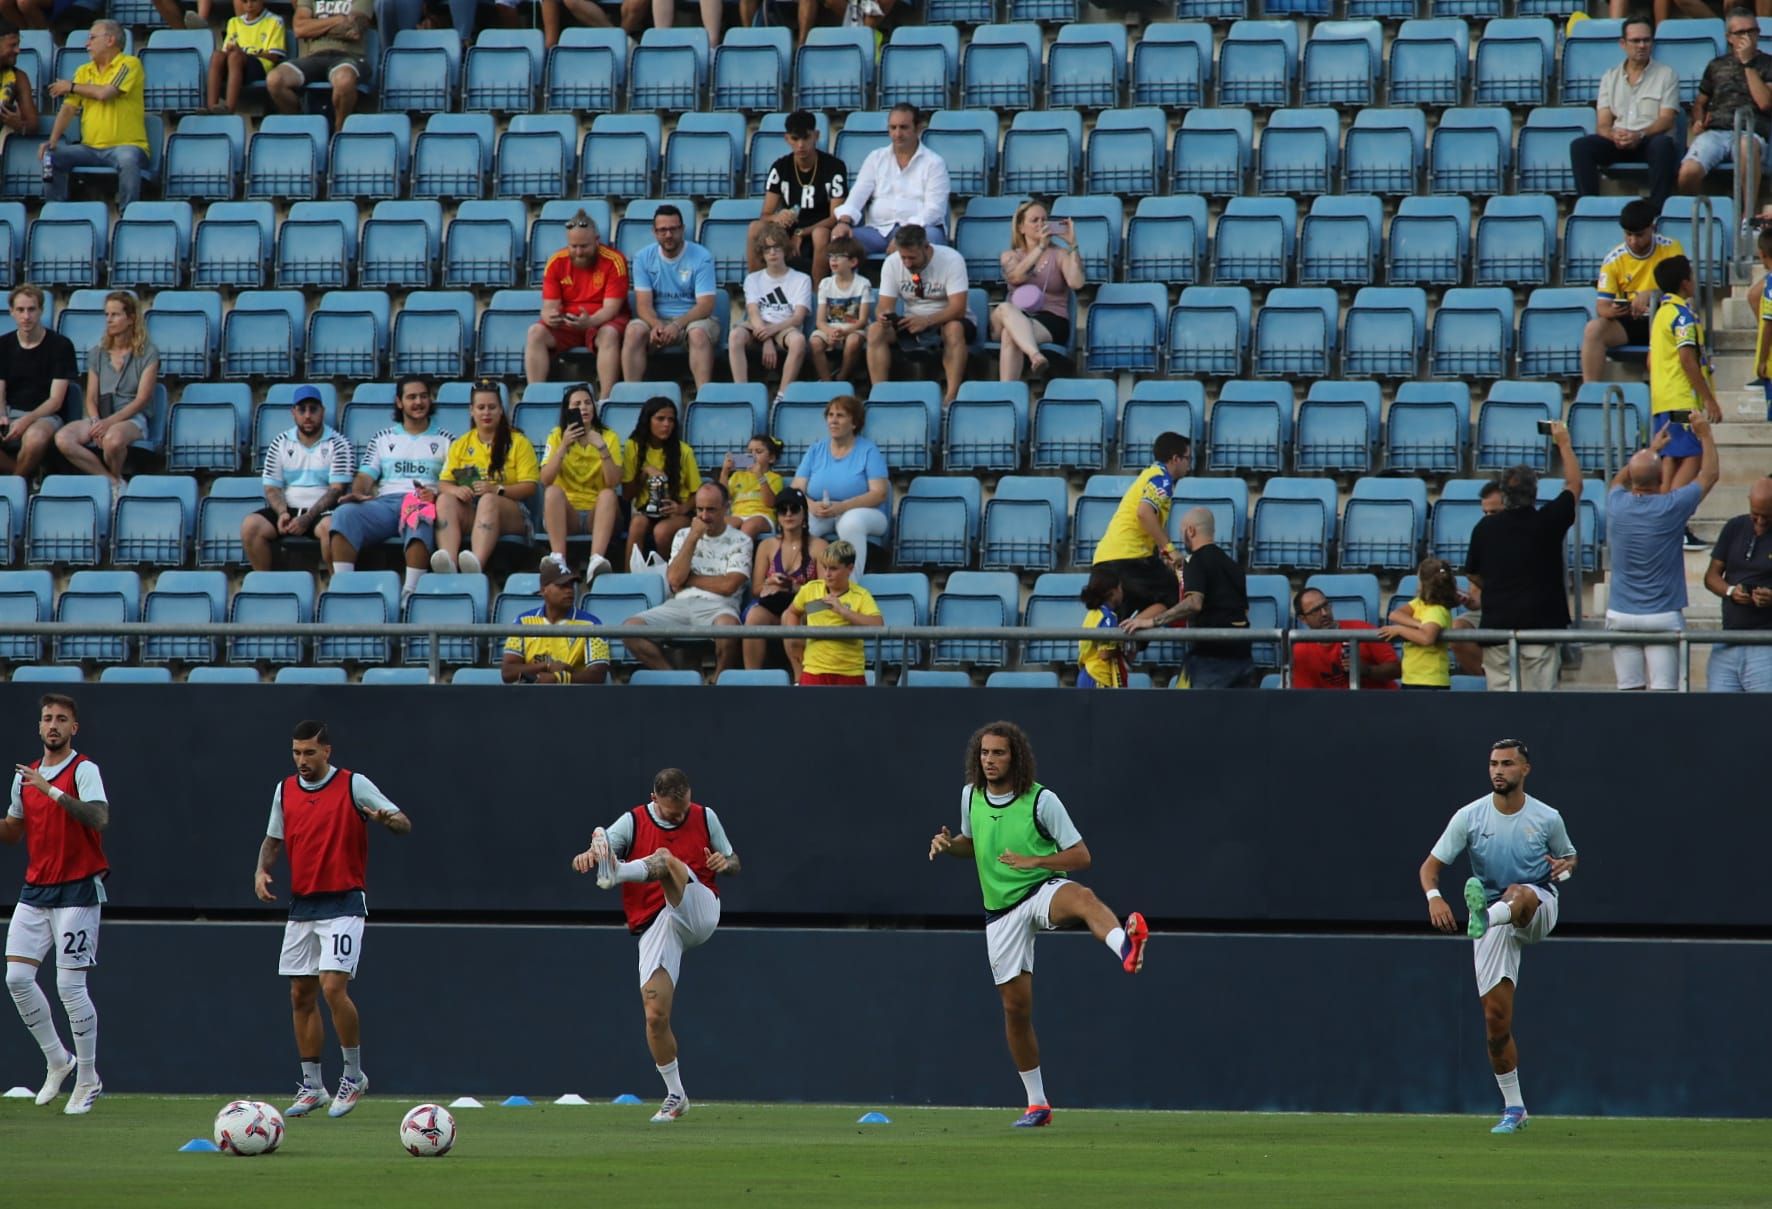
[
  {"x": 709, "y": 569},
  {"x": 933, "y": 283},
  {"x": 307, "y": 468},
  {"x": 1637, "y": 106},
  {"x": 901, "y": 183}
]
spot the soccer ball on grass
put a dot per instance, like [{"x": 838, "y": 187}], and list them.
[
  {"x": 427, "y": 1131},
  {"x": 248, "y": 1127}
]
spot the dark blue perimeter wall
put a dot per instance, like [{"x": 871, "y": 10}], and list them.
[{"x": 1261, "y": 831}]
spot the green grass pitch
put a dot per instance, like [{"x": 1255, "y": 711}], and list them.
[{"x": 125, "y": 1154}]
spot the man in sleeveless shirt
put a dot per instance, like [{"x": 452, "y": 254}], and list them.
[
  {"x": 670, "y": 899},
  {"x": 1026, "y": 847}
]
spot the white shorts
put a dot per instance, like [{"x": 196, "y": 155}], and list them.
[
  {"x": 71, "y": 931},
  {"x": 1010, "y": 938},
  {"x": 1651, "y": 667},
  {"x": 313, "y": 945},
  {"x": 1497, "y": 951},
  {"x": 699, "y": 609},
  {"x": 675, "y": 929}
]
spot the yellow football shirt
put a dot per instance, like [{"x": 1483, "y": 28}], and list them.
[
  {"x": 581, "y": 470},
  {"x": 114, "y": 123},
  {"x": 1428, "y": 664},
  {"x": 747, "y": 493},
  {"x": 1676, "y": 326},
  {"x": 1105, "y": 662},
  {"x": 1762, "y": 316},
  {"x": 264, "y": 39},
  {"x": 1624, "y": 273},
  {"x": 573, "y": 652},
  {"x": 834, "y": 658},
  {"x": 650, "y": 469},
  {"x": 1125, "y": 537},
  {"x": 470, "y": 452}
]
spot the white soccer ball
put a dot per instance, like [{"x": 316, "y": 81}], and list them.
[
  {"x": 427, "y": 1131},
  {"x": 248, "y": 1127}
]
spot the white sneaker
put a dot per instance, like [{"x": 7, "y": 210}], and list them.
[
  {"x": 441, "y": 563},
  {"x": 606, "y": 862},
  {"x": 349, "y": 1092},
  {"x": 557, "y": 560},
  {"x": 470, "y": 564},
  {"x": 83, "y": 1097},
  {"x": 57, "y": 1075},
  {"x": 673, "y": 1107},
  {"x": 598, "y": 566},
  {"x": 307, "y": 1099}
]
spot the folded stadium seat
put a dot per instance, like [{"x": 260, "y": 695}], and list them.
[
  {"x": 222, "y": 675},
  {"x": 1383, "y": 525},
  {"x": 21, "y": 167},
  {"x": 396, "y": 675},
  {"x": 401, "y": 244},
  {"x": 1427, "y": 428},
  {"x": 1428, "y": 62},
  {"x": 668, "y": 70},
  {"x": 1251, "y": 428},
  {"x": 1212, "y": 10},
  {"x": 938, "y": 522},
  {"x": 1125, "y": 152},
  {"x": 36, "y": 58},
  {"x": 1470, "y": 152},
  {"x": 1254, "y": 241},
  {"x": 1053, "y": 604},
  {"x": 1590, "y": 235},
  {"x": 755, "y": 396},
  {"x": 704, "y": 155},
  {"x": 834, "y": 69},
  {"x": 645, "y": 676},
  {"x": 987, "y": 427},
  {"x": 287, "y": 157},
  {"x": 502, "y": 70},
  {"x": 155, "y": 517},
  {"x": 1384, "y": 152},
  {"x": 764, "y": 677},
  {"x": 185, "y": 325},
  {"x": 277, "y": 598},
  {"x": 918, "y": 66},
  {"x": 1516, "y": 241},
  {"x": 97, "y": 600},
  {"x": 1507, "y": 425},
  {"x": 634, "y": 231},
  {"x": 47, "y": 674},
  {"x": 1166, "y": 240},
  {"x": 1430, "y": 241},
  {"x": 1227, "y": 496},
  {"x": 1158, "y": 406},
  {"x": 1048, "y": 12},
  {"x": 1125, "y": 327},
  {"x": 1590, "y": 50},
  {"x": 1022, "y": 679},
  {"x": 310, "y": 675},
  {"x": 520, "y": 593},
  {"x": 135, "y": 675},
  {"x": 1483, "y": 10},
  {"x": 976, "y": 599},
  {"x": 232, "y": 245},
  {"x": 1293, "y": 526},
  {"x": 483, "y": 675},
  {"x": 547, "y": 233},
  {"x": 797, "y": 419},
  {"x": 204, "y": 157},
  {"x": 219, "y": 515},
  {"x": 1469, "y": 684},
  {"x": 587, "y": 70},
  {"x": 967, "y": 140},
  {"x": 1472, "y": 334},
  {"x": 751, "y": 67},
  {"x": 1702, "y": 241},
  {"x": 715, "y": 429},
  {"x": 503, "y": 332},
  {"x": 904, "y": 420},
  {"x": 1209, "y": 331},
  {"x": 1352, "y": 596},
  {"x": 1092, "y": 511},
  {"x": 1211, "y": 152},
  {"x": 1514, "y": 60},
  {"x": 1086, "y": 66},
  {"x": 725, "y": 234},
  {"x": 903, "y": 597},
  {"x": 317, "y": 244},
  {"x": 982, "y": 234},
  {"x": 421, "y": 71},
  {"x": 12, "y": 516},
  {"x": 1340, "y": 241},
  {"x": 271, "y": 417},
  {"x": 151, "y": 244},
  {"x": 446, "y": 600},
  {"x": 1455, "y": 514},
  {"x": 537, "y": 156},
  {"x": 357, "y": 598},
  {"x": 1073, "y": 425},
  {"x": 67, "y": 244},
  {"x": 1172, "y": 64},
  {"x": 1096, "y": 221},
  {"x": 370, "y": 156},
  {"x": 1001, "y": 67},
  {"x": 12, "y": 240},
  {"x": 183, "y": 597},
  {"x": 1590, "y": 515},
  {"x": 262, "y": 336},
  {"x": 1337, "y": 427},
  {"x": 453, "y": 156},
  {"x": 1542, "y": 155},
  {"x": 25, "y": 596},
  {"x": 1342, "y": 62},
  {"x": 1024, "y": 524},
  {"x": 918, "y": 677},
  {"x": 1588, "y": 424},
  {"x": 82, "y": 320},
  {"x": 1551, "y": 329},
  {"x": 1295, "y": 333},
  {"x": 484, "y": 244},
  {"x": 348, "y": 334},
  {"x": 1257, "y": 63},
  {"x": 68, "y": 520},
  {"x": 766, "y": 146},
  {"x": 1688, "y": 45},
  {"x": 175, "y": 69}
]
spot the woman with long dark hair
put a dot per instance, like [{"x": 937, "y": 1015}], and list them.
[
  {"x": 784, "y": 564},
  {"x": 661, "y": 476},
  {"x": 490, "y": 471},
  {"x": 580, "y": 475}
]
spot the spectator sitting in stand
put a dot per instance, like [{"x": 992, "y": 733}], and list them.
[
  {"x": 783, "y": 564},
  {"x": 106, "y": 95},
  {"x": 334, "y": 46},
  {"x": 933, "y": 283},
  {"x": 554, "y": 15},
  {"x": 547, "y": 659},
  {"x": 121, "y": 372},
  {"x": 1421, "y": 625},
  {"x": 845, "y": 480},
  {"x": 490, "y": 472},
  {"x": 844, "y": 299},
  {"x": 778, "y": 301},
  {"x": 1325, "y": 664},
  {"x": 1044, "y": 274},
  {"x": 661, "y": 478},
  {"x": 18, "y": 101},
  {"x": 833, "y": 599},
  {"x": 307, "y": 469},
  {"x": 709, "y": 569},
  {"x": 753, "y": 485},
  {"x": 584, "y": 304},
  {"x": 581, "y": 475},
  {"x": 635, "y": 14},
  {"x": 901, "y": 184},
  {"x": 37, "y": 367},
  {"x": 1626, "y": 290},
  {"x": 674, "y": 296},
  {"x": 1737, "y": 81},
  {"x": 798, "y": 195},
  {"x": 255, "y": 42},
  {"x": 1636, "y": 109}
]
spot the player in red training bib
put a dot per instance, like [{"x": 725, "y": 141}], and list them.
[
  {"x": 58, "y": 808},
  {"x": 322, "y": 815},
  {"x": 670, "y": 899}
]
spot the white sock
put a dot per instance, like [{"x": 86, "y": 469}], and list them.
[
  {"x": 1510, "y": 1088},
  {"x": 1500, "y": 912},
  {"x": 1116, "y": 941},
  {"x": 411, "y": 584},
  {"x": 673, "y": 1079},
  {"x": 82, "y": 1022},
  {"x": 353, "y": 1061},
  {"x": 1036, "y": 1086},
  {"x": 341, "y": 568},
  {"x": 310, "y": 1074},
  {"x": 33, "y": 1009},
  {"x": 631, "y": 871}
]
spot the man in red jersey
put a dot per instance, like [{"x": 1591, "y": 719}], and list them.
[
  {"x": 58, "y": 808},
  {"x": 321, "y": 815},
  {"x": 584, "y": 304},
  {"x": 670, "y": 898}
]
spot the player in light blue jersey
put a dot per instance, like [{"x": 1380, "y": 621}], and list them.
[{"x": 1519, "y": 853}]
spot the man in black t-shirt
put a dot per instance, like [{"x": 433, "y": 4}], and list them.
[
  {"x": 803, "y": 188},
  {"x": 1516, "y": 559},
  {"x": 36, "y": 367},
  {"x": 1214, "y": 595},
  {"x": 1741, "y": 573}
]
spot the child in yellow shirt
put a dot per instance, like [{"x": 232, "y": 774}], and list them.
[
  {"x": 753, "y": 485},
  {"x": 255, "y": 42}
]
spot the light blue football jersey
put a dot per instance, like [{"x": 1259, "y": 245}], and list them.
[{"x": 1506, "y": 849}]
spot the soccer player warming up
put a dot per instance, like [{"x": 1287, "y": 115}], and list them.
[
  {"x": 1519, "y": 852},
  {"x": 670, "y": 899},
  {"x": 1026, "y": 848},
  {"x": 58, "y": 808},
  {"x": 321, "y": 816}
]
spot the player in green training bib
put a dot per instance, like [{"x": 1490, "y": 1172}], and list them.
[{"x": 1025, "y": 846}]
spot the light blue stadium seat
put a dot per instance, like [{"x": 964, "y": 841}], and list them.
[
  {"x": 261, "y": 336},
  {"x": 750, "y": 68},
  {"x": 668, "y": 70},
  {"x": 587, "y": 70},
  {"x": 1342, "y": 62},
  {"x": 348, "y": 334},
  {"x": 766, "y": 146},
  {"x": 1384, "y": 152},
  {"x": 21, "y": 169},
  {"x": 402, "y": 242},
  {"x": 1340, "y": 241},
  {"x": 1455, "y": 514},
  {"x": 479, "y": 675},
  {"x": 97, "y": 600},
  {"x": 370, "y": 156},
  {"x": 1001, "y": 67},
  {"x": 1590, "y": 235},
  {"x": 317, "y": 244},
  {"x": 1073, "y": 427},
  {"x": 184, "y": 597},
  {"x": 1551, "y": 330},
  {"x": 982, "y": 233},
  {"x": 620, "y": 155},
  {"x": 156, "y": 515},
  {"x": 918, "y": 66},
  {"x": 1091, "y": 513},
  {"x": 310, "y": 675},
  {"x": 1384, "y": 331},
  {"x": 615, "y": 597},
  {"x": 271, "y": 417},
  {"x": 714, "y": 428},
  {"x": 502, "y": 71},
  {"x": 36, "y": 58},
  {"x": 904, "y": 420},
  {"x": 1588, "y": 424},
  {"x": 204, "y": 157},
  {"x": 407, "y": 676},
  {"x": 797, "y": 419},
  {"x": 185, "y": 325},
  {"x": 537, "y": 156},
  {"x": 287, "y": 157},
  {"x": 1295, "y": 333},
  {"x": 222, "y": 675},
  {"x": 976, "y": 598},
  {"x": 25, "y": 596},
  {"x": 12, "y": 240},
  {"x": 1024, "y": 524},
  {"x": 219, "y": 515},
  {"x": 634, "y": 231},
  {"x": 503, "y": 330},
  {"x": 67, "y": 244},
  {"x": 1517, "y": 241},
  {"x": 1257, "y": 64},
  {"x": 1472, "y": 334},
  {"x": 447, "y": 600},
  {"x": 1212, "y": 152},
  {"x": 1293, "y": 525},
  {"x": 704, "y": 155},
  {"x": 1678, "y": 221},
  {"x": 1428, "y": 428},
  {"x": 82, "y": 320},
  {"x": 1353, "y": 596},
  {"x": 1429, "y": 241},
  {"x": 453, "y": 156},
  {"x": 1166, "y": 240},
  {"x": 151, "y": 244},
  {"x": 1253, "y": 243},
  {"x": 1337, "y": 427},
  {"x": 357, "y": 598},
  {"x": 1022, "y": 679},
  {"x": 764, "y": 677},
  {"x": 1086, "y": 66},
  {"x": 834, "y": 69},
  {"x": 1209, "y": 331},
  {"x": 68, "y": 520},
  {"x": 135, "y": 675},
  {"x": 862, "y": 134},
  {"x": 1507, "y": 425},
  {"x": 1156, "y": 407},
  {"x": 1590, "y": 50},
  {"x": 271, "y": 598},
  {"x": 547, "y": 233},
  {"x": 987, "y": 426},
  {"x": 1514, "y": 59},
  {"x": 421, "y": 71},
  {"x": 484, "y": 244},
  {"x": 903, "y": 597},
  {"x": 938, "y": 522},
  {"x": 232, "y": 245},
  {"x": 47, "y": 674},
  {"x": 1054, "y": 604},
  {"x": 656, "y": 676},
  {"x": 1172, "y": 64},
  {"x": 967, "y": 140},
  {"x": 918, "y": 677},
  {"x": 1428, "y": 62},
  {"x": 1471, "y": 152},
  {"x": 175, "y": 69},
  {"x": 1688, "y": 45},
  {"x": 521, "y": 592},
  {"x": 1590, "y": 514},
  {"x": 1047, "y": 12},
  {"x": 725, "y": 234},
  {"x": 1125, "y": 153},
  {"x": 1382, "y": 527},
  {"x": 1096, "y": 221},
  {"x": 1126, "y": 327},
  {"x": 433, "y": 334},
  {"x": 1542, "y": 156},
  {"x": 12, "y": 516}
]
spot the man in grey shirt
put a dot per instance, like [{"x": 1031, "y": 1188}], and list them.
[
  {"x": 1648, "y": 582},
  {"x": 1637, "y": 106}
]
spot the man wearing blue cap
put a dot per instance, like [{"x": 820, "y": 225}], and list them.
[{"x": 306, "y": 469}]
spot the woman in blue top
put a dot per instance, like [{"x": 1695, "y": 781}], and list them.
[{"x": 844, "y": 480}]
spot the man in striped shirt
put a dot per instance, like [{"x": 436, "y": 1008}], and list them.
[{"x": 306, "y": 469}]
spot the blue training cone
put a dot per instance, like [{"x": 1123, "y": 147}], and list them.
[
  {"x": 517, "y": 1102},
  {"x": 873, "y": 1118},
  {"x": 626, "y": 1097},
  {"x": 200, "y": 1146}
]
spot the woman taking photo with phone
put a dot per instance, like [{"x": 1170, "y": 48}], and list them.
[
  {"x": 1044, "y": 273},
  {"x": 580, "y": 478}
]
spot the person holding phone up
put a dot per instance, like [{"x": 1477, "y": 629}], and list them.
[{"x": 1044, "y": 269}]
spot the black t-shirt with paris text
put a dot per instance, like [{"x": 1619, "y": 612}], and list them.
[{"x": 812, "y": 194}]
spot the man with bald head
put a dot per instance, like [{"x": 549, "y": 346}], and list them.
[
  {"x": 1741, "y": 573},
  {"x": 1214, "y": 595},
  {"x": 1644, "y": 526}
]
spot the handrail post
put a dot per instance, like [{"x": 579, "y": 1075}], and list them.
[
  {"x": 1705, "y": 251},
  {"x": 435, "y": 661},
  {"x": 1353, "y": 665},
  {"x": 1513, "y": 661},
  {"x": 1685, "y": 657}
]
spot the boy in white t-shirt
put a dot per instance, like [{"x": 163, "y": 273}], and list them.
[
  {"x": 777, "y": 300},
  {"x": 842, "y": 321}
]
